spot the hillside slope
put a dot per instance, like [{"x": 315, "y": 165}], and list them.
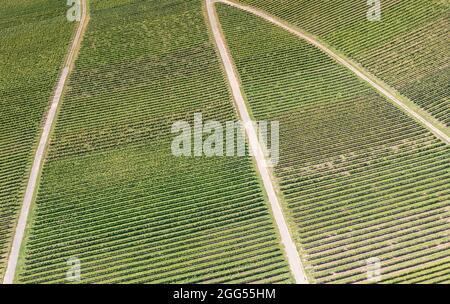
[
  {"x": 408, "y": 49},
  {"x": 34, "y": 38},
  {"x": 112, "y": 194},
  {"x": 359, "y": 178}
]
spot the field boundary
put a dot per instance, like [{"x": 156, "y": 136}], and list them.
[
  {"x": 372, "y": 80},
  {"x": 290, "y": 248},
  {"x": 42, "y": 148}
]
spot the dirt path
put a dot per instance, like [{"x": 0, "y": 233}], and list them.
[
  {"x": 286, "y": 238},
  {"x": 366, "y": 76},
  {"x": 41, "y": 150}
]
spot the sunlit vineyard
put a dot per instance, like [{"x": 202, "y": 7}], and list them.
[
  {"x": 113, "y": 196},
  {"x": 34, "y": 37},
  {"x": 408, "y": 49},
  {"x": 359, "y": 178}
]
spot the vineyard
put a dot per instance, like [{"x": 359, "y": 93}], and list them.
[
  {"x": 34, "y": 39},
  {"x": 358, "y": 177},
  {"x": 111, "y": 193},
  {"x": 408, "y": 49},
  {"x": 361, "y": 180}
]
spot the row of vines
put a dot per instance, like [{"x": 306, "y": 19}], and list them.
[
  {"x": 408, "y": 48},
  {"x": 359, "y": 178},
  {"x": 34, "y": 37},
  {"x": 112, "y": 195}
]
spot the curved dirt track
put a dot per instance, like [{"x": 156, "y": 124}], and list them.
[
  {"x": 293, "y": 257},
  {"x": 257, "y": 151},
  {"x": 364, "y": 75},
  {"x": 286, "y": 238},
  {"x": 41, "y": 150}
]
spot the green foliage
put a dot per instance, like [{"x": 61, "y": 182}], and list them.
[
  {"x": 359, "y": 178},
  {"x": 34, "y": 39},
  {"x": 113, "y": 195},
  {"x": 407, "y": 49}
]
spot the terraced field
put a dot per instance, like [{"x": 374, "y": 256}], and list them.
[
  {"x": 34, "y": 37},
  {"x": 358, "y": 177},
  {"x": 111, "y": 193},
  {"x": 408, "y": 49}
]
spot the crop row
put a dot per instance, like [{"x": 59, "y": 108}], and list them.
[
  {"x": 34, "y": 39},
  {"x": 407, "y": 48},
  {"x": 112, "y": 194},
  {"x": 358, "y": 177}
]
